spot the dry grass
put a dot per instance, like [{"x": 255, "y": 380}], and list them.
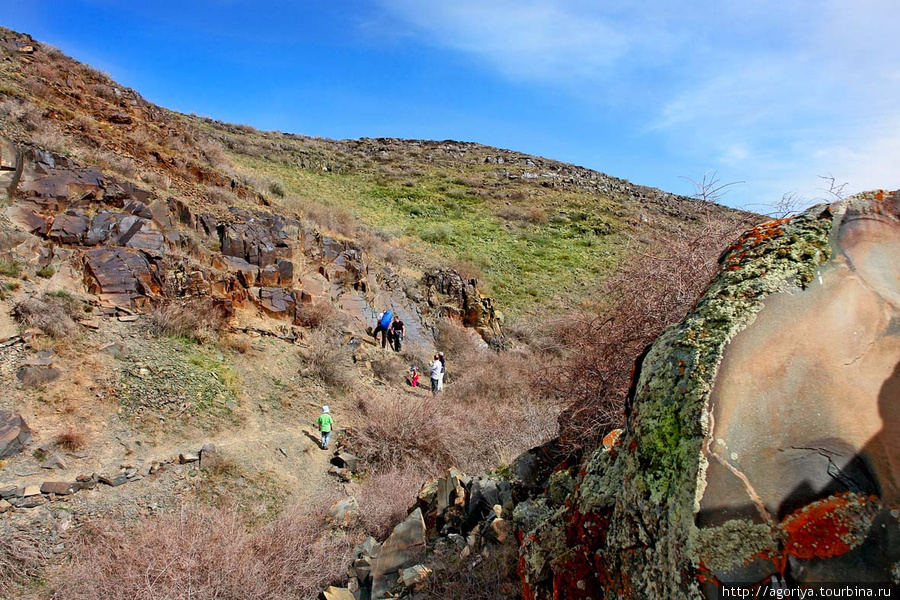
[
  {"x": 21, "y": 559},
  {"x": 53, "y": 313},
  {"x": 198, "y": 320},
  {"x": 205, "y": 553},
  {"x": 493, "y": 578},
  {"x": 71, "y": 440},
  {"x": 319, "y": 314},
  {"x": 326, "y": 359}
]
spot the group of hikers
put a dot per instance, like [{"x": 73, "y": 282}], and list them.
[{"x": 392, "y": 332}]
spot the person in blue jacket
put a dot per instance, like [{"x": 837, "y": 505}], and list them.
[{"x": 384, "y": 325}]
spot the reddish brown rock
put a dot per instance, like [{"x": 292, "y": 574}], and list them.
[
  {"x": 68, "y": 228},
  {"x": 60, "y": 488},
  {"x": 122, "y": 271}
]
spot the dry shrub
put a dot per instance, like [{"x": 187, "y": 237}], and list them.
[
  {"x": 494, "y": 578},
  {"x": 389, "y": 368},
  {"x": 21, "y": 559},
  {"x": 326, "y": 358},
  {"x": 649, "y": 293},
  {"x": 319, "y": 314},
  {"x": 384, "y": 498},
  {"x": 53, "y": 313},
  {"x": 199, "y": 320},
  {"x": 70, "y": 439},
  {"x": 455, "y": 341},
  {"x": 241, "y": 345},
  {"x": 409, "y": 430},
  {"x": 205, "y": 553},
  {"x": 536, "y": 216}
]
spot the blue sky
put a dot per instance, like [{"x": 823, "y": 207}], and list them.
[{"x": 772, "y": 93}]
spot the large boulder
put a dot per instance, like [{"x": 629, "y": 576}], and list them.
[
  {"x": 762, "y": 430},
  {"x": 14, "y": 433}
]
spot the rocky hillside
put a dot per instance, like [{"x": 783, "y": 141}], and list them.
[
  {"x": 533, "y": 229},
  {"x": 180, "y": 296}
]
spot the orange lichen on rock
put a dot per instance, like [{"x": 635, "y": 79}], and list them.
[
  {"x": 829, "y": 527},
  {"x": 753, "y": 238}
]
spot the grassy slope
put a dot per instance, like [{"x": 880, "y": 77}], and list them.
[
  {"x": 533, "y": 229},
  {"x": 524, "y": 263}
]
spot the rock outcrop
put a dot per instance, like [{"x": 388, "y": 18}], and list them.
[
  {"x": 451, "y": 295},
  {"x": 761, "y": 431}
]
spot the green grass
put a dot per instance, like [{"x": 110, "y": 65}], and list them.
[
  {"x": 443, "y": 220},
  {"x": 46, "y": 272},
  {"x": 10, "y": 268}
]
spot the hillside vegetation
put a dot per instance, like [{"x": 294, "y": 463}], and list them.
[{"x": 540, "y": 281}]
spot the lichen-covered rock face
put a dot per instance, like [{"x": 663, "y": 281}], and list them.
[{"x": 762, "y": 433}]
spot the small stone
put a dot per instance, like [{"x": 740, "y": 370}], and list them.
[
  {"x": 283, "y": 451},
  {"x": 60, "y": 488},
  {"x": 8, "y": 491},
  {"x": 4, "y": 506},
  {"x": 336, "y": 593},
  {"x": 342, "y": 474},
  {"x": 209, "y": 458},
  {"x": 31, "y": 490},
  {"x": 113, "y": 481},
  {"x": 54, "y": 462},
  {"x": 187, "y": 457},
  {"x": 128, "y": 318},
  {"x": 414, "y": 575}
]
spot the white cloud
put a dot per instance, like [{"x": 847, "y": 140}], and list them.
[{"x": 778, "y": 92}]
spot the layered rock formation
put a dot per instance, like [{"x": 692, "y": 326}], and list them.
[
  {"x": 761, "y": 430},
  {"x": 135, "y": 248}
]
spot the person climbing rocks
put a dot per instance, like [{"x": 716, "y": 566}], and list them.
[
  {"x": 443, "y": 371},
  {"x": 384, "y": 324},
  {"x": 436, "y": 372},
  {"x": 398, "y": 332},
  {"x": 325, "y": 423},
  {"x": 414, "y": 376}
]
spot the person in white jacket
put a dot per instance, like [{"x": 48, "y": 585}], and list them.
[{"x": 437, "y": 372}]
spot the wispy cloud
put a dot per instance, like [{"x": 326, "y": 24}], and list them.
[{"x": 775, "y": 92}]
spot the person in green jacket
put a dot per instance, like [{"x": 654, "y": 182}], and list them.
[{"x": 325, "y": 423}]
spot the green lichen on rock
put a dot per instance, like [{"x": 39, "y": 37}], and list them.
[
  {"x": 561, "y": 485},
  {"x": 732, "y": 543}
]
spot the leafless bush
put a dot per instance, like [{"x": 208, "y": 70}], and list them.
[
  {"x": 326, "y": 359},
  {"x": 385, "y": 496},
  {"x": 511, "y": 213},
  {"x": 70, "y": 439},
  {"x": 22, "y": 111},
  {"x": 21, "y": 558},
  {"x": 319, "y": 314},
  {"x": 52, "y": 313},
  {"x": 494, "y": 578},
  {"x": 199, "y": 320},
  {"x": 204, "y": 553},
  {"x": 536, "y": 216},
  {"x": 219, "y": 195},
  {"x": 650, "y": 292},
  {"x": 456, "y": 341},
  {"x": 407, "y": 430},
  {"x": 389, "y": 368}
]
